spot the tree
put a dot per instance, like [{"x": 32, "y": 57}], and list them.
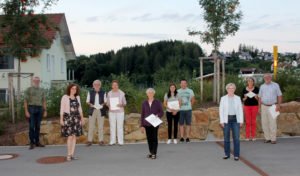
[
  {"x": 23, "y": 31},
  {"x": 222, "y": 18}
]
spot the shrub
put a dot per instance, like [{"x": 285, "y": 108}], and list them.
[{"x": 291, "y": 92}]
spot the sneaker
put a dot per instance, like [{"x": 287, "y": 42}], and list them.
[
  {"x": 175, "y": 141},
  {"x": 181, "y": 140},
  {"x": 169, "y": 141},
  {"x": 247, "y": 139},
  {"x": 236, "y": 158},
  {"x": 226, "y": 157},
  {"x": 253, "y": 139},
  {"x": 187, "y": 140}
]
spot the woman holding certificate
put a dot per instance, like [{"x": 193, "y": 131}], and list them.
[
  {"x": 116, "y": 102},
  {"x": 152, "y": 111},
  {"x": 172, "y": 103},
  {"x": 250, "y": 99}
]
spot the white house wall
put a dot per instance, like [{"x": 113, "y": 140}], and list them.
[{"x": 38, "y": 66}]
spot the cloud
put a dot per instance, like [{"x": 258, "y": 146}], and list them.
[
  {"x": 277, "y": 41},
  {"x": 136, "y": 35},
  {"x": 166, "y": 17},
  {"x": 92, "y": 19}
]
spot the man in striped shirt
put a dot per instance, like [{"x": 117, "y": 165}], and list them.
[{"x": 269, "y": 95}]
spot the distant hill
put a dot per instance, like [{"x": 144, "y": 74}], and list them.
[{"x": 160, "y": 61}]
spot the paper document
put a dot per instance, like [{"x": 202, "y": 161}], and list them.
[
  {"x": 273, "y": 112},
  {"x": 153, "y": 120},
  {"x": 250, "y": 94},
  {"x": 113, "y": 102},
  {"x": 98, "y": 106},
  {"x": 173, "y": 105}
]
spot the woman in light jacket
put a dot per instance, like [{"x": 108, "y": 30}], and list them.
[
  {"x": 71, "y": 118},
  {"x": 231, "y": 118}
]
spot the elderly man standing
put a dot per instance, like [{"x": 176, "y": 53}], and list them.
[
  {"x": 96, "y": 99},
  {"x": 269, "y": 95},
  {"x": 35, "y": 109}
]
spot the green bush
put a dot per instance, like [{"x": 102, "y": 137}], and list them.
[
  {"x": 287, "y": 78},
  {"x": 291, "y": 92}
]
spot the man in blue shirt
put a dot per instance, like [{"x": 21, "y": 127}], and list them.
[{"x": 187, "y": 97}]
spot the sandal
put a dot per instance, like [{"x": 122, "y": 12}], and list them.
[
  {"x": 74, "y": 158},
  {"x": 69, "y": 158}
]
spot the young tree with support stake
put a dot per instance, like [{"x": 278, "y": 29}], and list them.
[
  {"x": 23, "y": 30},
  {"x": 223, "y": 19}
]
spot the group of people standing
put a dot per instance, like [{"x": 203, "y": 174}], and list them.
[
  {"x": 254, "y": 100},
  {"x": 71, "y": 116}
]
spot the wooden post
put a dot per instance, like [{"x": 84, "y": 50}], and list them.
[
  {"x": 223, "y": 76},
  {"x": 215, "y": 78},
  {"x": 218, "y": 80},
  {"x": 201, "y": 79},
  {"x": 11, "y": 97}
]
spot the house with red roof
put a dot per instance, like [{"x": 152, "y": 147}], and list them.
[{"x": 50, "y": 65}]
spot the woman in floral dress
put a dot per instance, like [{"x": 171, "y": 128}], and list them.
[{"x": 71, "y": 118}]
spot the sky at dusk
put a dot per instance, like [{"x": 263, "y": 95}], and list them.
[{"x": 101, "y": 25}]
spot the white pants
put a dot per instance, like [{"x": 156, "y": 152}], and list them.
[
  {"x": 116, "y": 122},
  {"x": 92, "y": 122},
  {"x": 269, "y": 124}
]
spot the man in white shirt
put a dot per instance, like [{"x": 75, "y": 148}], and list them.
[
  {"x": 96, "y": 99},
  {"x": 269, "y": 95}
]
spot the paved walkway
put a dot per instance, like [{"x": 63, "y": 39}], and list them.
[{"x": 199, "y": 158}]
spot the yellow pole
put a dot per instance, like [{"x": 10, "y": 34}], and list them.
[{"x": 275, "y": 63}]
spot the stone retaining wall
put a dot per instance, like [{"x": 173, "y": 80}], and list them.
[{"x": 204, "y": 121}]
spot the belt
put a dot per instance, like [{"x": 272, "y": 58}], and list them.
[
  {"x": 35, "y": 106},
  {"x": 268, "y": 105}
]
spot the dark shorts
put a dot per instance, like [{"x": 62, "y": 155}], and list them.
[{"x": 185, "y": 117}]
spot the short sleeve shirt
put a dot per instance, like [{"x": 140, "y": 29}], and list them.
[
  {"x": 186, "y": 96},
  {"x": 268, "y": 93},
  {"x": 172, "y": 98},
  {"x": 35, "y": 96}
]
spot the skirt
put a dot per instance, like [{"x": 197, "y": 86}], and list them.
[{"x": 72, "y": 125}]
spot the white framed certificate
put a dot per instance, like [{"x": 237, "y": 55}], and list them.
[
  {"x": 153, "y": 120},
  {"x": 250, "y": 94},
  {"x": 113, "y": 103},
  {"x": 173, "y": 105}
]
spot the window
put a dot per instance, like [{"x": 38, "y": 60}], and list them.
[
  {"x": 48, "y": 63},
  {"x": 6, "y": 62},
  {"x": 62, "y": 65},
  {"x": 3, "y": 96}
]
